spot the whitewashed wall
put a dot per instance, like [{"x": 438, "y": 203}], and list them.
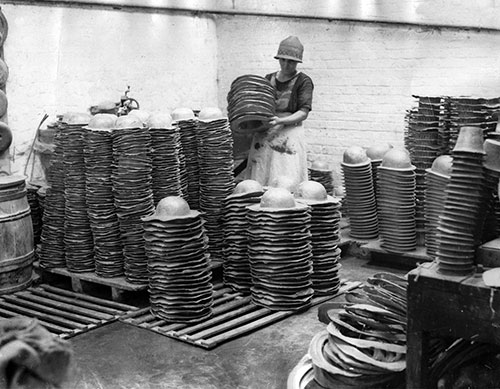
[
  {"x": 67, "y": 59},
  {"x": 364, "y": 74}
]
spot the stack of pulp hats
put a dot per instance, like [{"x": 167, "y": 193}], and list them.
[
  {"x": 165, "y": 157},
  {"x": 364, "y": 345},
  {"x": 251, "y": 103},
  {"x": 492, "y": 174},
  {"x": 436, "y": 179},
  {"x": 186, "y": 124},
  {"x": 376, "y": 153},
  {"x": 458, "y": 224},
  {"x": 396, "y": 201},
  {"x": 216, "y": 173},
  {"x": 325, "y": 220},
  {"x": 279, "y": 248},
  {"x": 178, "y": 263},
  {"x": 77, "y": 231},
  {"x": 359, "y": 194},
  {"x": 236, "y": 266},
  {"x": 52, "y": 239},
  {"x": 131, "y": 179},
  {"x": 36, "y": 212},
  {"x": 98, "y": 153},
  {"x": 320, "y": 172}
]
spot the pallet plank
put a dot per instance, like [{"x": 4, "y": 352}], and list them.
[
  {"x": 46, "y": 309},
  {"x": 25, "y": 295}
]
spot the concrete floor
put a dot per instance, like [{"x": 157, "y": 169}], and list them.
[{"x": 119, "y": 355}]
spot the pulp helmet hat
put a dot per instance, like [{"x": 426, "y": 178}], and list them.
[{"x": 290, "y": 48}]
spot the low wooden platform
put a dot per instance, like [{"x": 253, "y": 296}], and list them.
[
  {"x": 62, "y": 312},
  {"x": 234, "y": 315}
]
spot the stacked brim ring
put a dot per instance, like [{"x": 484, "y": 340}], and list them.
[
  {"x": 52, "y": 252},
  {"x": 166, "y": 162},
  {"x": 189, "y": 141},
  {"x": 179, "y": 268},
  {"x": 77, "y": 231},
  {"x": 279, "y": 248},
  {"x": 325, "y": 230},
  {"x": 251, "y": 103},
  {"x": 98, "y": 152},
  {"x": 216, "y": 177},
  {"x": 458, "y": 225},
  {"x": 435, "y": 195},
  {"x": 396, "y": 208},
  {"x": 236, "y": 267},
  {"x": 131, "y": 179},
  {"x": 360, "y": 200}
]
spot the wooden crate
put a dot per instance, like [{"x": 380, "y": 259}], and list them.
[{"x": 234, "y": 315}]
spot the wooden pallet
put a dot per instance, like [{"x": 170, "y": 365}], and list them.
[
  {"x": 62, "y": 312},
  {"x": 372, "y": 250},
  {"x": 233, "y": 315}
]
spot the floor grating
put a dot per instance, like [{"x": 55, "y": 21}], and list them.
[
  {"x": 234, "y": 315},
  {"x": 62, "y": 312}
]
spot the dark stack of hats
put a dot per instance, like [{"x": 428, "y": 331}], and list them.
[
  {"x": 364, "y": 345},
  {"x": 325, "y": 236},
  {"x": 216, "y": 173},
  {"x": 320, "y": 172},
  {"x": 280, "y": 252},
  {"x": 178, "y": 262},
  {"x": 131, "y": 179},
  {"x": 396, "y": 201},
  {"x": 472, "y": 112},
  {"x": 98, "y": 153},
  {"x": 52, "y": 251},
  {"x": 236, "y": 266},
  {"x": 459, "y": 222},
  {"x": 36, "y": 212},
  {"x": 77, "y": 233},
  {"x": 186, "y": 125},
  {"x": 165, "y": 156},
  {"x": 251, "y": 103},
  {"x": 436, "y": 179},
  {"x": 491, "y": 165},
  {"x": 425, "y": 142},
  {"x": 376, "y": 153},
  {"x": 359, "y": 194}
]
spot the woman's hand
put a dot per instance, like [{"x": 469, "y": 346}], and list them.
[
  {"x": 274, "y": 121},
  {"x": 276, "y": 126}
]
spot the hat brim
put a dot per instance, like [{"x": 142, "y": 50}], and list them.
[{"x": 295, "y": 59}]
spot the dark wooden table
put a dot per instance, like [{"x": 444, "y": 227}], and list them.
[{"x": 446, "y": 306}]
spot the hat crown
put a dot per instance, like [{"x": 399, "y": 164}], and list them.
[{"x": 290, "y": 48}]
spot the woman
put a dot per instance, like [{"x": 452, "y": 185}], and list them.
[{"x": 280, "y": 153}]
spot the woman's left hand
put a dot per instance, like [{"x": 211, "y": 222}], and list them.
[{"x": 274, "y": 121}]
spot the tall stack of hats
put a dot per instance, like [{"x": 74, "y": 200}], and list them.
[
  {"x": 325, "y": 220},
  {"x": 77, "y": 231},
  {"x": 165, "y": 156},
  {"x": 359, "y": 194},
  {"x": 98, "y": 154},
  {"x": 280, "y": 252},
  {"x": 131, "y": 179},
  {"x": 185, "y": 122},
  {"x": 436, "y": 179},
  {"x": 492, "y": 173},
  {"x": 396, "y": 201},
  {"x": 472, "y": 112},
  {"x": 251, "y": 103},
  {"x": 36, "y": 212},
  {"x": 178, "y": 262},
  {"x": 458, "y": 224},
  {"x": 320, "y": 172},
  {"x": 376, "y": 153},
  {"x": 216, "y": 172},
  {"x": 52, "y": 250},
  {"x": 236, "y": 266}
]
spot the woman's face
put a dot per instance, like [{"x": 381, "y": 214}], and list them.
[{"x": 288, "y": 67}]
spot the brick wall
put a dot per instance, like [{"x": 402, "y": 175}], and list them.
[{"x": 364, "y": 74}]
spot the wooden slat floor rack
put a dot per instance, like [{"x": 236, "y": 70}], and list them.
[{"x": 233, "y": 315}]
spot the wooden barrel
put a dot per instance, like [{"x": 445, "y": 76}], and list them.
[{"x": 16, "y": 235}]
